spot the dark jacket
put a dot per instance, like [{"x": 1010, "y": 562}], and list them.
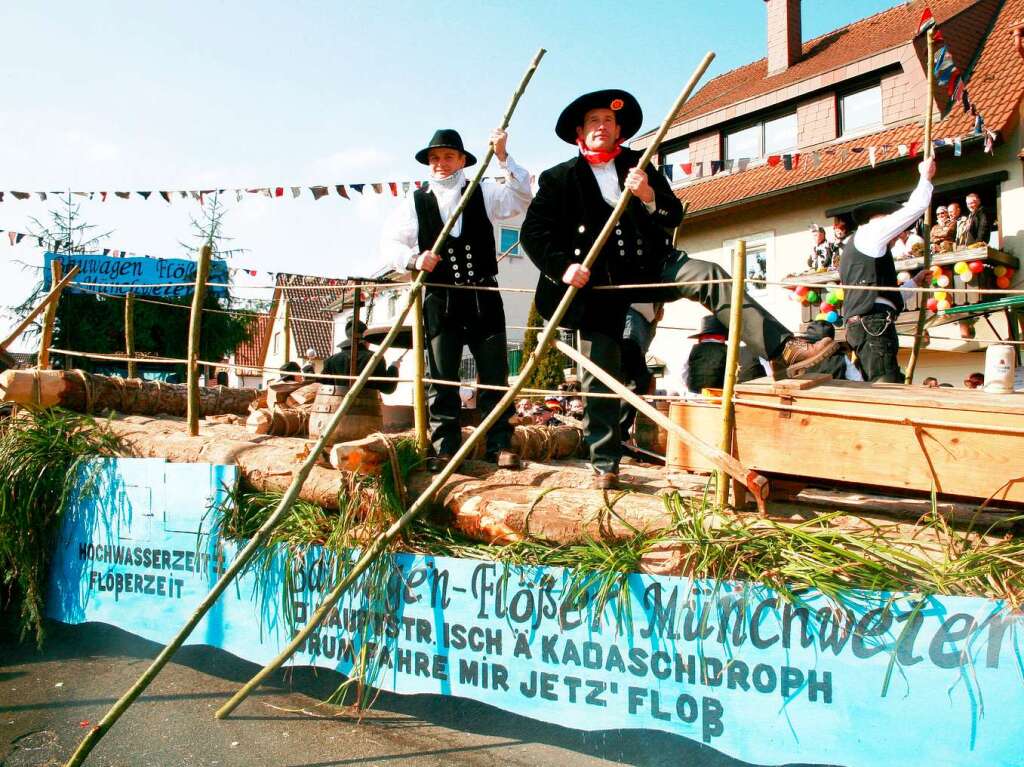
[
  {"x": 857, "y": 268},
  {"x": 338, "y": 364},
  {"x": 978, "y": 227},
  {"x": 562, "y": 223}
]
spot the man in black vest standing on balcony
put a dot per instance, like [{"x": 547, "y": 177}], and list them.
[
  {"x": 870, "y": 315},
  {"x": 574, "y": 200},
  {"x": 456, "y": 317}
]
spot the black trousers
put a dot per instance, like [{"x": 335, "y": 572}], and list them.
[
  {"x": 601, "y": 431},
  {"x": 453, "y": 320},
  {"x": 762, "y": 333},
  {"x": 873, "y": 337},
  {"x": 637, "y": 376}
]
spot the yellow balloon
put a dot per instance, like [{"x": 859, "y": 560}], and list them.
[{"x": 940, "y": 295}]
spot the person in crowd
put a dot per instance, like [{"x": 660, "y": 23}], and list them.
[
  {"x": 906, "y": 243},
  {"x": 820, "y": 258},
  {"x": 842, "y": 226},
  {"x": 978, "y": 228},
  {"x": 931, "y": 382},
  {"x": 455, "y": 317},
  {"x": 340, "y": 363},
  {"x": 943, "y": 232},
  {"x": 573, "y": 202},
  {"x": 641, "y": 325},
  {"x": 870, "y": 315},
  {"x": 959, "y": 223},
  {"x": 946, "y": 386},
  {"x": 288, "y": 371},
  {"x": 222, "y": 378},
  {"x": 975, "y": 381}
]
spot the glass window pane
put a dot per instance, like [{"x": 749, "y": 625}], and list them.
[
  {"x": 509, "y": 237},
  {"x": 861, "y": 110},
  {"x": 780, "y": 134},
  {"x": 743, "y": 143},
  {"x": 757, "y": 265},
  {"x": 674, "y": 159}
]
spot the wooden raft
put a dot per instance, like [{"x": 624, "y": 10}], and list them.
[{"x": 969, "y": 443}]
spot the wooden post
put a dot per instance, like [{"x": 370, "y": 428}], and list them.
[
  {"x": 51, "y": 297},
  {"x": 287, "y": 329},
  {"x": 732, "y": 361},
  {"x": 194, "y": 324},
  {"x": 419, "y": 396},
  {"x": 263, "y": 534},
  {"x": 547, "y": 335},
  {"x": 129, "y": 334},
  {"x": 357, "y": 300},
  {"x": 929, "y": 151},
  {"x": 46, "y": 339}
]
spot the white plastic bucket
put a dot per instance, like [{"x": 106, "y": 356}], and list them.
[{"x": 999, "y": 369}]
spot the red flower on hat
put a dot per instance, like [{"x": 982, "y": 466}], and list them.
[{"x": 617, "y": 104}]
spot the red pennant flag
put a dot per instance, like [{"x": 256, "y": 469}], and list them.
[
  {"x": 927, "y": 21},
  {"x": 419, "y": 184},
  {"x": 11, "y": 236},
  {"x": 394, "y": 188},
  {"x": 687, "y": 168},
  {"x": 773, "y": 160},
  {"x": 103, "y": 196},
  {"x": 915, "y": 148},
  {"x": 252, "y": 272},
  {"x": 279, "y": 191},
  {"x": 342, "y": 191},
  {"x": 953, "y": 81}
]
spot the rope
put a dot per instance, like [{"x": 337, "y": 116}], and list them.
[
  {"x": 87, "y": 386},
  {"x": 396, "y": 469}
]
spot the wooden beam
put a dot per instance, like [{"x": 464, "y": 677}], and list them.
[
  {"x": 54, "y": 293},
  {"x": 129, "y": 334},
  {"x": 50, "y": 317},
  {"x": 194, "y": 325}
]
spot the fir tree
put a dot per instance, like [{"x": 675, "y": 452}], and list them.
[{"x": 548, "y": 373}]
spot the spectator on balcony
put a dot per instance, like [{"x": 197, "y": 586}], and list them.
[
  {"x": 943, "y": 232},
  {"x": 978, "y": 226},
  {"x": 959, "y": 221}
]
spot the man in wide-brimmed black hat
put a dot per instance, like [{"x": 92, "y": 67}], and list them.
[
  {"x": 870, "y": 315},
  {"x": 458, "y": 316},
  {"x": 574, "y": 200},
  {"x": 339, "y": 363}
]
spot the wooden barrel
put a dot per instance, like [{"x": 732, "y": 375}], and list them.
[
  {"x": 363, "y": 418},
  {"x": 650, "y": 436},
  {"x": 704, "y": 420}
]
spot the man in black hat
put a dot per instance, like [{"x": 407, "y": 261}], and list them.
[
  {"x": 456, "y": 317},
  {"x": 339, "y": 363},
  {"x": 574, "y": 200},
  {"x": 870, "y": 315}
]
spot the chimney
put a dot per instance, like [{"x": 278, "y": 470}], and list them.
[{"x": 784, "y": 35}]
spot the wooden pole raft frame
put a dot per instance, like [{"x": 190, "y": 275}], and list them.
[{"x": 732, "y": 361}]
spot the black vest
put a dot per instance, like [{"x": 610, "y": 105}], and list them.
[
  {"x": 856, "y": 268},
  {"x": 468, "y": 259}
]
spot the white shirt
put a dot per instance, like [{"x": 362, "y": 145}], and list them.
[
  {"x": 873, "y": 238},
  {"x": 607, "y": 176},
  {"x": 902, "y": 250},
  {"x": 399, "y": 241}
]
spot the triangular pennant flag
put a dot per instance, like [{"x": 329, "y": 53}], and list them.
[
  {"x": 958, "y": 147},
  {"x": 296, "y": 191},
  {"x": 856, "y": 149},
  {"x": 773, "y": 160},
  {"x": 42, "y": 196},
  {"x": 378, "y": 188},
  {"x": 123, "y": 195},
  {"x": 666, "y": 171},
  {"x": 979, "y": 124},
  {"x": 405, "y": 188},
  {"x": 117, "y": 253},
  {"x": 106, "y": 251},
  {"x": 11, "y": 236},
  {"x": 342, "y": 192},
  {"x": 238, "y": 195},
  {"x": 944, "y": 78},
  {"x": 796, "y": 159},
  {"x": 951, "y": 88},
  {"x": 716, "y": 166},
  {"x": 990, "y": 140},
  {"x": 39, "y": 242},
  {"x": 787, "y": 161},
  {"x": 394, "y": 188},
  {"x": 144, "y": 195},
  {"x": 902, "y": 150},
  {"x": 21, "y": 195},
  {"x": 729, "y": 165},
  {"x": 103, "y": 196},
  {"x": 743, "y": 163},
  {"x": 687, "y": 168},
  {"x": 252, "y": 272},
  {"x": 420, "y": 183},
  {"x": 915, "y": 148},
  {"x": 938, "y": 37},
  {"x": 166, "y": 196},
  {"x": 279, "y": 191},
  {"x": 698, "y": 169},
  {"x": 927, "y": 21},
  {"x": 318, "y": 191},
  {"x": 966, "y": 101},
  {"x": 20, "y": 237},
  {"x": 358, "y": 187},
  {"x": 871, "y": 156}
]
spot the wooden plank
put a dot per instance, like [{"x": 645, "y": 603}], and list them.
[{"x": 800, "y": 383}]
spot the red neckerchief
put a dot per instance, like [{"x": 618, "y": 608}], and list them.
[
  {"x": 597, "y": 157},
  {"x": 711, "y": 337}
]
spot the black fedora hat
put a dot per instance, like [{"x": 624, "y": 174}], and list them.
[
  {"x": 627, "y": 111},
  {"x": 864, "y": 213},
  {"x": 710, "y": 326},
  {"x": 445, "y": 138}
]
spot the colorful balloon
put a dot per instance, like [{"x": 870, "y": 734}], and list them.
[
  {"x": 832, "y": 316},
  {"x": 977, "y": 267},
  {"x": 812, "y": 297},
  {"x": 841, "y": 294},
  {"x": 936, "y": 270},
  {"x": 825, "y": 308},
  {"x": 967, "y": 276},
  {"x": 1000, "y": 271},
  {"x": 960, "y": 267},
  {"x": 903, "y": 277},
  {"x": 932, "y": 304},
  {"x": 819, "y": 316},
  {"x": 940, "y": 295},
  {"x": 943, "y": 305},
  {"x": 943, "y": 281},
  {"x": 802, "y": 290},
  {"x": 1002, "y": 282}
]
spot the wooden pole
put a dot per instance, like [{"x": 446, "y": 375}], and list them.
[
  {"x": 194, "y": 323},
  {"x": 547, "y": 335},
  {"x": 46, "y": 339},
  {"x": 357, "y": 299},
  {"x": 129, "y": 335},
  {"x": 419, "y": 396},
  {"x": 51, "y": 297},
  {"x": 732, "y": 361},
  {"x": 263, "y": 534},
  {"x": 287, "y": 328},
  {"x": 929, "y": 151}
]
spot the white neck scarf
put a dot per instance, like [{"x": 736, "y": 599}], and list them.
[{"x": 448, "y": 191}]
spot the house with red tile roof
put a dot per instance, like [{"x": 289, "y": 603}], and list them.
[
  {"x": 300, "y": 324},
  {"x": 816, "y": 127},
  {"x": 248, "y": 355}
]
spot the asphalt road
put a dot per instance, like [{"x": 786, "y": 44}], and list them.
[{"x": 48, "y": 698}]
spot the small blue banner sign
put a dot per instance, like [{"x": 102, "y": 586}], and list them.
[
  {"x": 877, "y": 679},
  {"x": 175, "y": 277}
]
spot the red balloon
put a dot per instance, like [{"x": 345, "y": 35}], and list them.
[
  {"x": 1003, "y": 282},
  {"x": 976, "y": 266},
  {"x": 802, "y": 290},
  {"x": 825, "y": 308},
  {"x": 933, "y": 304}
]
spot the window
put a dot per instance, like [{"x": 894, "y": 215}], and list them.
[
  {"x": 861, "y": 110},
  {"x": 509, "y": 240},
  {"x": 774, "y": 136},
  {"x": 780, "y": 134},
  {"x": 674, "y": 158},
  {"x": 760, "y": 249},
  {"x": 392, "y": 304},
  {"x": 743, "y": 143}
]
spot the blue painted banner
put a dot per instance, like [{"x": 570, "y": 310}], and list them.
[
  {"x": 119, "y": 276},
  {"x": 881, "y": 680}
]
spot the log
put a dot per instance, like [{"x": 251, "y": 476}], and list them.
[
  {"x": 89, "y": 393},
  {"x": 280, "y": 421},
  {"x": 534, "y": 443},
  {"x": 278, "y": 391},
  {"x": 304, "y": 395}
]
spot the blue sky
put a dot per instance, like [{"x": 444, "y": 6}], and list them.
[{"x": 156, "y": 95}]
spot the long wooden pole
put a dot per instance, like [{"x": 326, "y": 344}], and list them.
[
  {"x": 357, "y": 298},
  {"x": 46, "y": 339},
  {"x": 51, "y": 297},
  {"x": 195, "y": 321},
  {"x": 129, "y": 334},
  {"x": 732, "y": 361},
  {"x": 419, "y": 397},
  {"x": 929, "y": 150},
  {"x": 547, "y": 335},
  {"x": 287, "y": 328},
  {"x": 262, "y": 535}
]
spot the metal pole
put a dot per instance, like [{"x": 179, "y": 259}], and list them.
[
  {"x": 129, "y": 334},
  {"x": 468, "y": 447},
  {"x": 732, "y": 359},
  {"x": 194, "y": 324},
  {"x": 929, "y": 150}
]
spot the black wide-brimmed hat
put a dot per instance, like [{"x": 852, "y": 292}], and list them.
[
  {"x": 710, "y": 326},
  {"x": 864, "y": 213},
  {"x": 348, "y": 333},
  {"x": 628, "y": 114},
  {"x": 445, "y": 138}
]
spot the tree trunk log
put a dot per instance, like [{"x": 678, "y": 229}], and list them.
[
  {"x": 89, "y": 393},
  {"x": 280, "y": 421}
]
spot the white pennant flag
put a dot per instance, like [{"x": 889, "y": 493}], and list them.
[
  {"x": 871, "y": 156},
  {"x": 296, "y": 191}
]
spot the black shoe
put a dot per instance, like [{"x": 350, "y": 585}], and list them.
[
  {"x": 505, "y": 459},
  {"x": 436, "y": 463},
  {"x": 605, "y": 480}
]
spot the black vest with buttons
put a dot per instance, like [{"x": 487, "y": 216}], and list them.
[
  {"x": 468, "y": 259},
  {"x": 856, "y": 268}
]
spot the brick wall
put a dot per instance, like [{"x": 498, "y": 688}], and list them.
[
  {"x": 816, "y": 121},
  {"x": 705, "y": 148},
  {"x": 904, "y": 93},
  {"x": 784, "y": 32}
]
